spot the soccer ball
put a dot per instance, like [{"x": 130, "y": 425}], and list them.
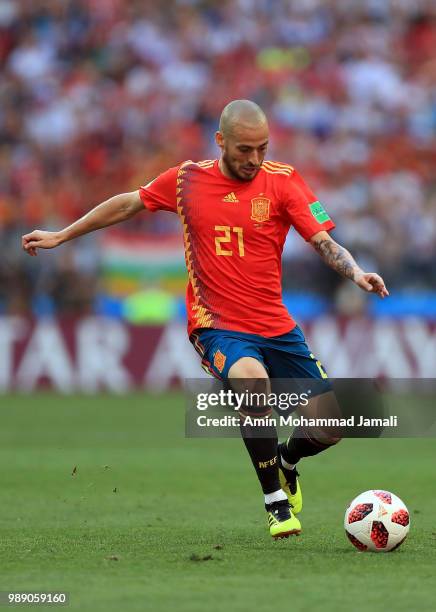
[{"x": 377, "y": 521}]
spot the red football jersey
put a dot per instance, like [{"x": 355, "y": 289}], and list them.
[{"x": 234, "y": 232}]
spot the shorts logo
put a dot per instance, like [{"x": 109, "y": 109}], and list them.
[
  {"x": 219, "y": 361},
  {"x": 260, "y": 209}
]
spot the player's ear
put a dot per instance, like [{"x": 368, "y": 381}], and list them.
[{"x": 219, "y": 139}]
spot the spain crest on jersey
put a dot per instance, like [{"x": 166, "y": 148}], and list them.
[{"x": 260, "y": 209}]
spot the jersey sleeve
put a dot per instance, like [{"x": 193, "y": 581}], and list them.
[
  {"x": 303, "y": 209},
  {"x": 160, "y": 194}
]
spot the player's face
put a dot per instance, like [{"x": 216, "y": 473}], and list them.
[{"x": 243, "y": 151}]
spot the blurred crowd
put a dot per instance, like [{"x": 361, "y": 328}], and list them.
[{"x": 99, "y": 96}]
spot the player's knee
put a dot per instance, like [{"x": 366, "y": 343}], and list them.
[
  {"x": 248, "y": 367},
  {"x": 248, "y": 376}
]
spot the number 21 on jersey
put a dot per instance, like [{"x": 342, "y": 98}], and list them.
[{"x": 228, "y": 236}]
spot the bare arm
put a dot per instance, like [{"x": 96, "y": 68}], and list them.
[
  {"x": 116, "y": 209},
  {"x": 338, "y": 258}
]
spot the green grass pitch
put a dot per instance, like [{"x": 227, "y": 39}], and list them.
[{"x": 105, "y": 498}]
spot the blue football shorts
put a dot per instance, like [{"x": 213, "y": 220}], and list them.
[{"x": 284, "y": 357}]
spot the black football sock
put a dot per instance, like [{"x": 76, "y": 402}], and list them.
[
  {"x": 300, "y": 445},
  {"x": 261, "y": 443}
]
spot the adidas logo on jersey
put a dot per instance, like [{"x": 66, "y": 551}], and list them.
[{"x": 230, "y": 197}]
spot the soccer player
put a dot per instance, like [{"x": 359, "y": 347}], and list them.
[{"x": 235, "y": 214}]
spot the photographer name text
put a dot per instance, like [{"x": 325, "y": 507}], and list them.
[{"x": 297, "y": 421}]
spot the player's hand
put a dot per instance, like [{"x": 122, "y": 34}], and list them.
[
  {"x": 371, "y": 282},
  {"x": 39, "y": 239}
]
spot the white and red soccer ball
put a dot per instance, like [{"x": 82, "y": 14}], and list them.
[{"x": 377, "y": 521}]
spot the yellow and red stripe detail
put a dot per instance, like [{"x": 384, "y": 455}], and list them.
[
  {"x": 207, "y": 163},
  {"x": 202, "y": 315},
  {"x": 277, "y": 168}
]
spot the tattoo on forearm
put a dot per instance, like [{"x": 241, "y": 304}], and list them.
[{"x": 337, "y": 257}]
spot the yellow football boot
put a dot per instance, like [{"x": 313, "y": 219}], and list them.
[{"x": 282, "y": 523}]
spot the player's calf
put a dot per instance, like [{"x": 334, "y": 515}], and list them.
[{"x": 258, "y": 430}]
